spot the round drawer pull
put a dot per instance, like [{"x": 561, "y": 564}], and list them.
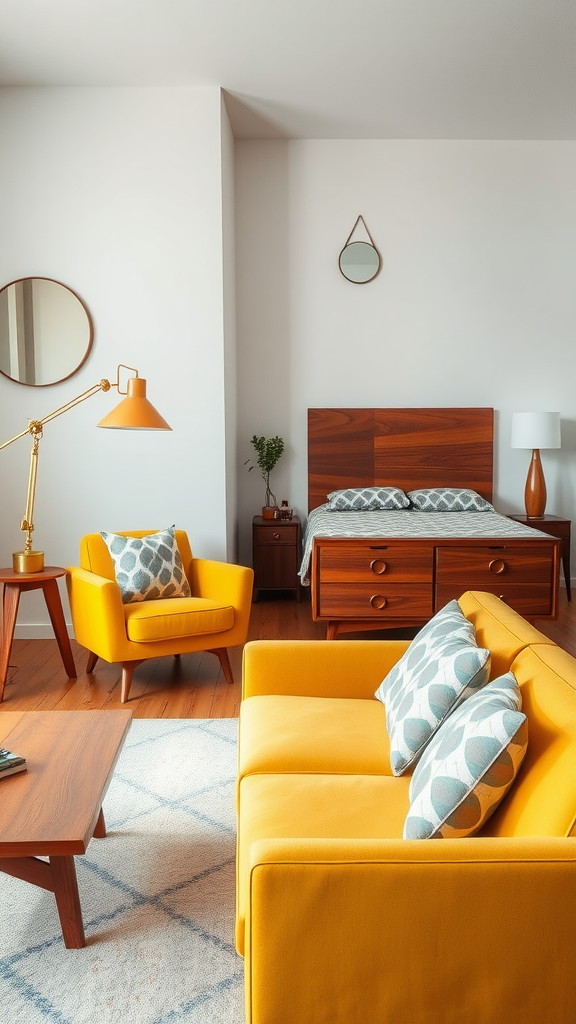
[
  {"x": 378, "y": 566},
  {"x": 276, "y": 536},
  {"x": 378, "y": 601},
  {"x": 497, "y": 566}
]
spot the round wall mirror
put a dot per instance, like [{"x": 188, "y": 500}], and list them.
[
  {"x": 359, "y": 262},
  {"x": 46, "y": 331}
]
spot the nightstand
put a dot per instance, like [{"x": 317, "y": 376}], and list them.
[
  {"x": 276, "y": 554},
  {"x": 557, "y": 527}
]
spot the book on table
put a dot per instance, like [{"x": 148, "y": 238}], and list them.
[{"x": 11, "y": 763}]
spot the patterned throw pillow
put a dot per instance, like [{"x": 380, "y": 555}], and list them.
[
  {"x": 469, "y": 765},
  {"x": 367, "y": 499},
  {"x": 442, "y": 666},
  {"x": 147, "y": 568},
  {"x": 448, "y": 499}
]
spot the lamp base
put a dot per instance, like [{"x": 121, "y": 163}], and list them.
[
  {"x": 28, "y": 561},
  {"x": 535, "y": 491}
]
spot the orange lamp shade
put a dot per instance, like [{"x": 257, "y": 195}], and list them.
[{"x": 135, "y": 412}]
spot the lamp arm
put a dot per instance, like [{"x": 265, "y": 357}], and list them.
[
  {"x": 35, "y": 428},
  {"x": 27, "y": 523},
  {"x": 33, "y": 561}
]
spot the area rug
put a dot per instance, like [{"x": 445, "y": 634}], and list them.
[{"x": 157, "y": 896}]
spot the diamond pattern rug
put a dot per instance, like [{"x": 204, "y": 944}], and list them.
[{"x": 157, "y": 896}]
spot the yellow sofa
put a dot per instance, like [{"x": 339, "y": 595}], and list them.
[{"x": 340, "y": 920}]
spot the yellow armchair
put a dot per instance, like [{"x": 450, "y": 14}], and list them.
[{"x": 214, "y": 618}]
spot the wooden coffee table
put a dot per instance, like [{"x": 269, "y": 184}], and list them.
[{"x": 55, "y": 807}]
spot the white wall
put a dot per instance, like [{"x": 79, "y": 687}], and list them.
[
  {"x": 229, "y": 311},
  {"x": 118, "y": 193},
  {"x": 474, "y": 304}
]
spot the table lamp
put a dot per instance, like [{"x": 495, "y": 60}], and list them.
[
  {"x": 535, "y": 430},
  {"x": 135, "y": 412}
]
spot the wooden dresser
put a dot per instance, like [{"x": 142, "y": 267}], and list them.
[{"x": 371, "y": 584}]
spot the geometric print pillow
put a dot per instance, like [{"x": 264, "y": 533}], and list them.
[
  {"x": 448, "y": 499},
  {"x": 147, "y": 568},
  {"x": 367, "y": 499},
  {"x": 441, "y": 668},
  {"x": 469, "y": 765}
]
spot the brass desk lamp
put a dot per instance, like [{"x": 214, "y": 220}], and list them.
[{"x": 135, "y": 412}]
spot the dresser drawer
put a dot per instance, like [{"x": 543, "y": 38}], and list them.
[
  {"x": 529, "y": 600},
  {"x": 379, "y": 600},
  {"x": 480, "y": 567},
  {"x": 368, "y": 563},
  {"x": 276, "y": 534}
]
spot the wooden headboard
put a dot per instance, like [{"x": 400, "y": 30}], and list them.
[{"x": 408, "y": 448}]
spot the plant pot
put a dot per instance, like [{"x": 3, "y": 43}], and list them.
[{"x": 269, "y": 512}]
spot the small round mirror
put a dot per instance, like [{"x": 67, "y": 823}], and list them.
[
  {"x": 359, "y": 262},
  {"x": 46, "y": 331}
]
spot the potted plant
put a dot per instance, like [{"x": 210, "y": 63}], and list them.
[{"x": 268, "y": 451}]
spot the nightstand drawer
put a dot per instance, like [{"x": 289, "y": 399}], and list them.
[{"x": 278, "y": 533}]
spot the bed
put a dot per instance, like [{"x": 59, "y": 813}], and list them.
[{"x": 375, "y": 569}]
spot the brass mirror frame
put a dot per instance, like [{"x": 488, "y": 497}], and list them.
[{"x": 89, "y": 343}]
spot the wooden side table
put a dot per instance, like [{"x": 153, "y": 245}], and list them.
[
  {"x": 276, "y": 554},
  {"x": 14, "y": 583},
  {"x": 557, "y": 527}
]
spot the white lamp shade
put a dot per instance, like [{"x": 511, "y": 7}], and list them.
[{"x": 536, "y": 430}]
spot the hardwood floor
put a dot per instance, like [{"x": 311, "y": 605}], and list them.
[{"x": 191, "y": 686}]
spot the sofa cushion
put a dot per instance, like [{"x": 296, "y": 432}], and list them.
[
  {"x": 313, "y": 734},
  {"x": 469, "y": 765},
  {"x": 147, "y": 568},
  {"x": 442, "y": 666},
  {"x": 149, "y": 621},
  {"x": 499, "y": 628},
  {"x": 313, "y": 806},
  {"x": 542, "y": 801}
]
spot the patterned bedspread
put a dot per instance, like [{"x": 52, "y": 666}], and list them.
[{"x": 405, "y": 523}]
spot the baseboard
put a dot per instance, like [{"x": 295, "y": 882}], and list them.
[{"x": 38, "y": 631}]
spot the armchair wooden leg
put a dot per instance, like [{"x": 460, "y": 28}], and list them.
[
  {"x": 222, "y": 654},
  {"x": 91, "y": 663},
  {"x": 127, "y": 672}
]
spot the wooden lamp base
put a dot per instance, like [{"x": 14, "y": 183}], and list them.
[{"x": 535, "y": 491}]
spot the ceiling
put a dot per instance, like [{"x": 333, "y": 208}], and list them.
[{"x": 448, "y": 69}]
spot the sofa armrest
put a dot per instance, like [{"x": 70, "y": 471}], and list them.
[
  {"x": 97, "y": 613},
  {"x": 430, "y": 932},
  {"x": 316, "y": 668}
]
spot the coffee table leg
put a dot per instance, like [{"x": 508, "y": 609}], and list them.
[
  {"x": 100, "y": 830},
  {"x": 52, "y": 596},
  {"x": 11, "y": 600},
  {"x": 68, "y": 901}
]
